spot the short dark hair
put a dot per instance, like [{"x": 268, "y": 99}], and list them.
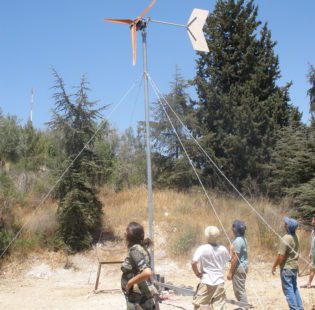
[
  {"x": 239, "y": 228},
  {"x": 135, "y": 235}
]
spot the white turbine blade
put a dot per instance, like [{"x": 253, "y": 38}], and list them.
[{"x": 195, "y": 30}]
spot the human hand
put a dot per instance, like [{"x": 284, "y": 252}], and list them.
[
  {"x": 199, "y": 275},
  {"x": 129, "y": 287}
]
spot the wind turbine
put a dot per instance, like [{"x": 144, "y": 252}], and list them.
[{"x": 194, "y": 28}]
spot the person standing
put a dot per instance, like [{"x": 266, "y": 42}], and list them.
[
  {"x": 136, "y": 270},
  {"x": 312, "y": 256},
  {"x": 239, "y": 261},
  {"x": 287, "y": 259},
  {"x": 212, "y": 259}
]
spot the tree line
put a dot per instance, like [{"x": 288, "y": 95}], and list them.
[{"x": 241, "y": 116}]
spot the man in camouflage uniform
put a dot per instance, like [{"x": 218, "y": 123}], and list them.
[{"x": 140, "y": 295}]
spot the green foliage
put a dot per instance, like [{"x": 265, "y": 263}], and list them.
[
  {"x": 5, "y": 238},
  {"x": 10, "y": 134},
  {"x": 292, "y": 168},
  {"x": 305, "y": 199},
  {"x": 311, "y": 92},
  {"x": 170, "y": 164},
  {"x": 240, "y": 106},
  {"x": 292, "y": 160},
  {"x": 79, "y": 212},
  {"x": 184, "y": 239},
  {"x": 130, "y": 163},
  {"x": 33, "y": 148},
  {"x": 79, "y": 218},
  {"x": 7, "y": 189},
  {"x": 172, "y": 172}
]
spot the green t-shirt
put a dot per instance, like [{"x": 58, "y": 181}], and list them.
[
  {"x": 289, "y": 248},
  {"x": 240, "y": 248}
]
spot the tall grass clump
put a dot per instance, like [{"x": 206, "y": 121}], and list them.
[
  {"x": 181, "y": 217},
  {"x": 183, "y": 240}
]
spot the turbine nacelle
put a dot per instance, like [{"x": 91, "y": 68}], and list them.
[
  {"x": 194, "y": 28},
  {"x": 135, "y": 25}
]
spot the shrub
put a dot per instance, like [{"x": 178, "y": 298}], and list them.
[{"x": 184, "y": 239}]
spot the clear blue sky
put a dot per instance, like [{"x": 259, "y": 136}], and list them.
[{"x": 71, "y": 36}]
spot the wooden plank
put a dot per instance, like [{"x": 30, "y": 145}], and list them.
[
  {"x": 99, "y": 270},
  {"x": 98, "y": 276}
]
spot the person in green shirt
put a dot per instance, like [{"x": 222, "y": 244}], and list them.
[
  {"x": 287, "y": 260},
  {"x": 312, "y": 256},
  {"x": 239, "y": 261},
  {"x": 136, "y": 270}
]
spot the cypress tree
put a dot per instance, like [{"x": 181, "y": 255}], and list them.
[{"x": 240, "y": 106}]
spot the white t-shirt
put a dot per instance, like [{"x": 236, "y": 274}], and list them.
[{"x": 212, "y": 260}]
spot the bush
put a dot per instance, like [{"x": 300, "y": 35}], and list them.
[
  {"x": 5, "y": 238},
  {"x": 184, "y": 239}
]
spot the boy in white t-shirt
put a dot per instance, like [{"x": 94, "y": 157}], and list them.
[{"x": 212, "y": 259}]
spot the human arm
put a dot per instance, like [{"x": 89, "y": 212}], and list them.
[
  {"x": 145, "y": 274},
  {"x": 140, "y": 260},
  {"x": 195, "y": 261},
  {"x": 312, "y": 247},
  {"x": 234, "y": 261},
  {"x": 278, "y": 261},
  {"x": 194, "y": 266},
  {"x": 283, "y": 246}
]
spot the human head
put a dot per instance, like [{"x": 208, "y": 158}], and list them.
[
  {"x": 212, "y": 234},
  {"x": 134, "y": 234},
  {"x": 290, "y": 225},
  {"x": 238, "y": 228}
]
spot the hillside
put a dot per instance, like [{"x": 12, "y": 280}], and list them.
[{"x": 38, "y": 280}]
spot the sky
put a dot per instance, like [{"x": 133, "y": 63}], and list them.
[{"x": 71, "y": 36}]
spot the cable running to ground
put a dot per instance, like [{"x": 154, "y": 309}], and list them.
[
  {"x": 221, "y": 172},
  {"x": 197, "y": 175}
]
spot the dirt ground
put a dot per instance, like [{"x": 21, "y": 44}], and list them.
[{"x": 42, "y": 282}]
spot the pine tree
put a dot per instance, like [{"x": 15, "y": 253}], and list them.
[
  {"x": 80, "y": 211},
  {"x": 292, "y": 166},
  {"x": 240, "y": 106},
  {"x": 292, "y": 161},
  {"x": 170, "y": 165},
  {"x": 164, "y": 138}
]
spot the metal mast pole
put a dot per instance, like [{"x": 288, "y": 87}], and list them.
[{"x": 148, "y": 148}]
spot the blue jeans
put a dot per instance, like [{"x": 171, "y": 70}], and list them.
[{"x": 289, "y": 288}]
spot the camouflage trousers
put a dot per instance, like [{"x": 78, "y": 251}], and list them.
[{"x": 146, "y": 305}]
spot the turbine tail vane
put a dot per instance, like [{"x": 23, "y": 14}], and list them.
[{"x": 195, "y": 25}]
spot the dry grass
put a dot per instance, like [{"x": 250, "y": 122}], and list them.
[
  {"x": 180, "y": 218},
  {"x": 39, "y": 228}
]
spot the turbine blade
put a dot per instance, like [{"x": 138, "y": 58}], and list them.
[
  {"x": 195, "y": 30},
  {"x": 133, "y": 30},
  {"x": 119, "y": 21},
  {"x": 146, "y": 10}
]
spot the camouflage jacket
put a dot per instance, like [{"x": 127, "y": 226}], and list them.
[{"x": 137, "y": 260}]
